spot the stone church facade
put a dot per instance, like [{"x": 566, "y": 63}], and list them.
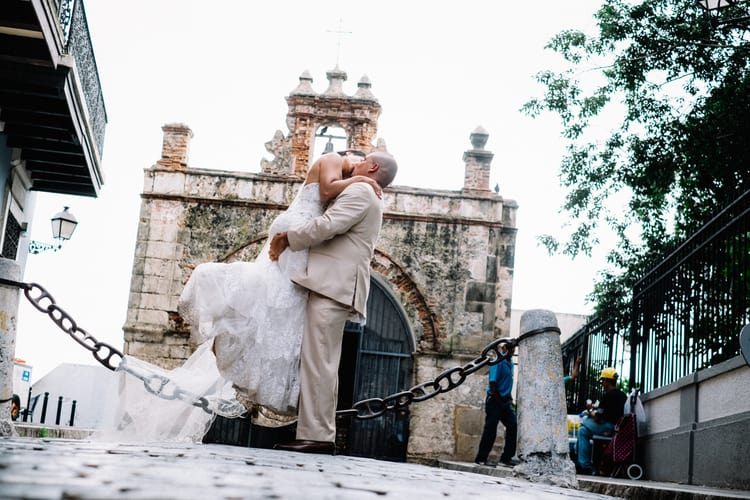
[{"x": 444, "y": 257}]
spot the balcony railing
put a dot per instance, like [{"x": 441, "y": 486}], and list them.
[
  {"x": 65, "y": 16},
  {"x": 74, "y": 30}
]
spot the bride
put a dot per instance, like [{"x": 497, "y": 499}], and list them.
[{"x": 247, "y": 319}]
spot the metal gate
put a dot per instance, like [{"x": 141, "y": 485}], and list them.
[{"x": 376, "y": 360}]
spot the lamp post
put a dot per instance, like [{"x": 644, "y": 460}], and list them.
[
  {"x": 716, "y": 4},
  {"x": 63, "y": 225},
  {"x": 713, "y": 9}
]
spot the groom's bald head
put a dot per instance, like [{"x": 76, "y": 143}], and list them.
[{"x": 387, "y": 167}]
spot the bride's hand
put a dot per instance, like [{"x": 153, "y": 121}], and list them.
[{"x": 279, "y": 242}]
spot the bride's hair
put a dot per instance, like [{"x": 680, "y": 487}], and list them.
[{"x": 355, "y": 152}]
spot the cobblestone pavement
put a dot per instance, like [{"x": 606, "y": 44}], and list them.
[{"x": 59, "y": 468}]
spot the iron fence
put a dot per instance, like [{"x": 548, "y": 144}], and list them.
[
  {"x": 600, "y": 343},
  {"x": 685, "y": 314},
  {"x": 76, "y": 39},
  {"x": 27, "y": 414}
]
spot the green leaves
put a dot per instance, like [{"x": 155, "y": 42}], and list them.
[{"x": 676, "y": 96}]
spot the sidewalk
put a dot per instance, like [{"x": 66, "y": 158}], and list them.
[
  {"x": 625, "y": 488},
  {"x": 42, "y": 468}
]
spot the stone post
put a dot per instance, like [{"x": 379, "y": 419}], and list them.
[
  {"x": 9, "y": 270},
  {"x": 478, "y": 161},
  {"x": 542, "y": 420},
  {"x": 175, "y": 146}
]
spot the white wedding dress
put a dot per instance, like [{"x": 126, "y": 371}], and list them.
[{"x": 248, "y": 319}]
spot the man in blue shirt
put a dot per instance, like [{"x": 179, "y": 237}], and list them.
[{"x": 498, "y": 407}]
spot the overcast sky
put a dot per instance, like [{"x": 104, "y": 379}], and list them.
[{"x": 439, "y": 70}]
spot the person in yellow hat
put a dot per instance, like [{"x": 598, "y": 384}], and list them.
[{"x": 601, "y": 421}]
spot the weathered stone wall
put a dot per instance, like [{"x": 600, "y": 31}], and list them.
[
  {"x": 9, "y": 297},
  {"x": 449, "y": 425},
  {"x": 458, "y": 253}
]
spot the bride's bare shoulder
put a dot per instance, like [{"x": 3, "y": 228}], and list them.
[{"x": 327, "y": 168}]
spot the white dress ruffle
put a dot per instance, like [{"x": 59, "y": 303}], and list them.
[{"x": 248, "y": 319}]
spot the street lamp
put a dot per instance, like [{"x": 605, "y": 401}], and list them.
[
  {"x": 716, "y": 4},
  {"x": 63, "y": 225},
  {"x": 713, "y": 8}
]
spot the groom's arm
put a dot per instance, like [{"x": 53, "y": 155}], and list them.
[{"x": 349, "y": 208}]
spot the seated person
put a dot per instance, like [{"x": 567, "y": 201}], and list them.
[
  {"x": 600, "y": 421},
  {"x": 15, "y": 407}
]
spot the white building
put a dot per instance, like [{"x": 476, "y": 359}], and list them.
[
  {"x": 93, "y": 388},
  {"x": 21, "y": 379}
]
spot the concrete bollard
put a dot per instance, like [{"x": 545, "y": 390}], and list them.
[
  {"x": 542, "y": 419},
  {"x": 9, "y": 270}
]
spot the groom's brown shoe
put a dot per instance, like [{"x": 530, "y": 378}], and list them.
[{"x": 307, "y": 446}]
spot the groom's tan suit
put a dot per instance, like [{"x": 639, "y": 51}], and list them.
[{"x": 342, "y": 243}]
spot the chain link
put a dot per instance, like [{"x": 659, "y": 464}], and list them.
[
  {"x": 163, "y": 387},
  {"x": 444, "y": 382},
  {"x": 114, "y": 359},
  {"x": 45, "y": 303}
]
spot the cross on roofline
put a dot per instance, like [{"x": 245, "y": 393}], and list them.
[{"x": 339, "y": 32}]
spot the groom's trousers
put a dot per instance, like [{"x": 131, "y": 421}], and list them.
[{"x": 319, "y": 368}]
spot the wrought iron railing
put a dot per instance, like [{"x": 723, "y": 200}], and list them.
[
  {"x": 600, "y": 343},
  {"x": 685, "y": 314},
  {"x": 689, "y": 309},
  {"x": 65, "y": 16},
  {"x": 77, "y": 42}
]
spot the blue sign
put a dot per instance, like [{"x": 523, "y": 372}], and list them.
[{"x": 26, "y": 375}]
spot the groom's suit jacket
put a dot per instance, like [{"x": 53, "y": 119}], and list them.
[{"x": 341, "y": 243}]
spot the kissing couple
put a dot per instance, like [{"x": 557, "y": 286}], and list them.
[{"x": 270, "y": 331}]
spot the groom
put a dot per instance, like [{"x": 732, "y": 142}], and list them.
[{"x": 341, "y": 243}]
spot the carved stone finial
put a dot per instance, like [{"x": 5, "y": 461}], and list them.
[
  {"x": 479, "y": 137},
  {"x": 478, "y": 161},
  {"x": 305, "y": 85},
  {"x": 280, "y": 148},
  {"x": 336, "y": 79},
  {"x": 363, "y": 90}
]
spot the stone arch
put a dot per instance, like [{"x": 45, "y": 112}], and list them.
[
  {"x": 332, "y": 132},
  {"x": 426, "y": 323}
]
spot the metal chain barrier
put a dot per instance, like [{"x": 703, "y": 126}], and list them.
[
  {"x": 103, "y": 352},
  {"x": 444, "y": 382},
  {"x": 45, "y": 303},
  {"x": 164, "y": 388}
]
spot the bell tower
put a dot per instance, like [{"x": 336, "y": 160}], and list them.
[{"x": 310, "y": 113}]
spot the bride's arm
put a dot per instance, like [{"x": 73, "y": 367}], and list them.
[{"x": 332, "y": 180}]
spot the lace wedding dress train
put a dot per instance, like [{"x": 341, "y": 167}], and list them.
[{"x": 248, "y": 319}]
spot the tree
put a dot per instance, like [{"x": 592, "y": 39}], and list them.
[{"x": 681, "y": 150}]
